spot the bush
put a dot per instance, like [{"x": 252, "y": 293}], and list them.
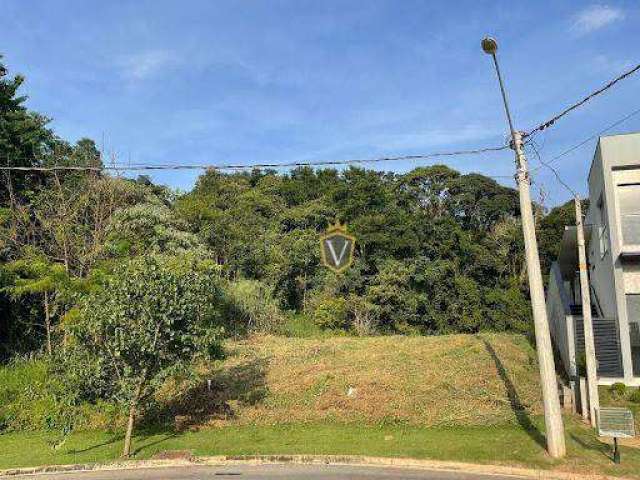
[
  {"x": 635, "y": 396},
  {"x": 34, "y": 397},
  {"x": 252, "y": 303},
  {"x": 618, "y": 390},
  {"x": 153, "y": 318},
  {"x": 299, "y": 325},
  {"x": 330, "y": 312},
  {"x": 365, "y": 315},
  {"x": 25, "y": 395}
]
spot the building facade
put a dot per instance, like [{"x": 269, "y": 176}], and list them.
[{"x": 612, "y": 236}]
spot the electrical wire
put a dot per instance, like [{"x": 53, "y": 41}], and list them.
[
  {"x": 554, "y": 119},
  {"x": 587, "y": 140},
  {"x": 555, "y": 172},
  {"x": 144, "y": 167}
]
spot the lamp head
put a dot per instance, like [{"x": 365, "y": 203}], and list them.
[{"x": 489, "y": 45}]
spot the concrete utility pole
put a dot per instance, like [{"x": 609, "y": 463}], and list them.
[
  {"x": 552, "y": 414},
  {"x": 589, "y": 345}
]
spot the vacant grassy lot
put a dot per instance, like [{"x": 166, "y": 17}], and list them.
[
  {"x": 456, "y": 380},
  {"x": 460, "y": 397}
]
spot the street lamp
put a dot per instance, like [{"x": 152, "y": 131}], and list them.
[
  {"x": 489, "y": 45},
  {"x": 552, "y": 414}
]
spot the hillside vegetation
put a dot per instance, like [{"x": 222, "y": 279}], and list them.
[
  {"x": 419, "y": 381},
  {"x": 112, "y": 289}
]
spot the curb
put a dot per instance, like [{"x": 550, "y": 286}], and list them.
[{"x": 365, "y": 461}]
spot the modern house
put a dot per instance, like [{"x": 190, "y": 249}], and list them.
[{"x": 612, "y": 236}]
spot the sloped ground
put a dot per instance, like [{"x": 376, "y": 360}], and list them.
[
  {"x": 468, "y": 380},
  {"x": 460, "y": 397}
]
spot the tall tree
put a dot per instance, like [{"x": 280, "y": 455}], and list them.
[
  {"x": 153, "y": 315},
  {"x": 25, "y": 139}
]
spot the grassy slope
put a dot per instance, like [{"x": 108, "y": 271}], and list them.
[
  {"x": 421, "y": 381},
  {"x": 465, "y": 398}
]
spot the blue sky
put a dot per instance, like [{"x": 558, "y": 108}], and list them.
[{"x": 277, "y": 81}]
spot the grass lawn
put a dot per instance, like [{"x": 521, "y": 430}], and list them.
[{"x": 497, "y": 445}]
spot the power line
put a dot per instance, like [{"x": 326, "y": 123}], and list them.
[
  {"x": 555, "y": 172},
  {"x": 146, "y": 167},
  {"x": 592, "y": 137},
  {"x": 553, "y": 120}
]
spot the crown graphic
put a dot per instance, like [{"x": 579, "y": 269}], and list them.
[{"x": 337, "y": 227}]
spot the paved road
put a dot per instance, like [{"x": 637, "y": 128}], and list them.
[{"x": 268, "y": 472}]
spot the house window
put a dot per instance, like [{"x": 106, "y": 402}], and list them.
[
  {"x": 603, "y": 230},
  {"x": 629, "y": 206}
]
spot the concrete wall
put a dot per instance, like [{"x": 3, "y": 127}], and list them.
[
  {"x": 614, "y": 162},
  {"x": 601, "y": 271},
  {"x": 560, "y": 322}
]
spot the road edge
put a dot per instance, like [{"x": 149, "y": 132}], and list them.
[{"x": 358, "y": 460}]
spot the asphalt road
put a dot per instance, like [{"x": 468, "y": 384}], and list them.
[{"x": 268, "y": 472}]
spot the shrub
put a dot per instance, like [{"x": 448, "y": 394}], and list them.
[
  {"x": 330, "y": 312},
  {"x": 365, "y": 315},
  {"x": 25, "y": 395},
  {"x": 300, "y": 325},
  {"x": 618, "y": 389},
  {"x": 635, "y": 396},
  {"x": 34, "y": 397},
  {"x": 252, "y": 303}
]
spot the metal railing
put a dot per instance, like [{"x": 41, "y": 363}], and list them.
[{"x": 607, "y": 343}]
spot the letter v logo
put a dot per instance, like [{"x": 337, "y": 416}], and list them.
[
  {"x": 337, "y": 260},
  {"x": 336, "y": 248}
]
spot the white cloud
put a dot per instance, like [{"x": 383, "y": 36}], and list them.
[
  {"x": 139, "y": 66},
  {"x": 595, "y": 17}
]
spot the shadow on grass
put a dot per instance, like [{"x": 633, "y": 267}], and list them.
[
  {"x": 110, "y": 441},
  {"x": 243, "y": 384},
  {"x": 516, "y": 405},
  {"x": 140, "y": 437},
  {"x": 593, "y": 444},
  {"x": 155, "y": 442}
]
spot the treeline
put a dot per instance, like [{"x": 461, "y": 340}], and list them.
[{"x": 437, "y": 251}]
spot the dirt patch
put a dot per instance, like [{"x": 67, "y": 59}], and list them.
[{"x": 174, "y": 455}]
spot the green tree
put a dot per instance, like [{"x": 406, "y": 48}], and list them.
[
  {"x": 148, "y": 228},
  {"x": 153, "y": 315},
  {"x": 35, "y": 276},
  {"x": 25, "y": 139},
  {"x": 551, "y": 229}
]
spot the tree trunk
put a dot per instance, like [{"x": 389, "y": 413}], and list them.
[
  {"x": 132, "y": 417},
  {"x": 47, "y": 322},
  {"x": 127, "y": 439},
  {"x": 65, "y": 243},
  {"x": 304, "y": 294}
]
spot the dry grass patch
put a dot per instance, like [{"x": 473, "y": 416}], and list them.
[{"x": 485, "y": 379}]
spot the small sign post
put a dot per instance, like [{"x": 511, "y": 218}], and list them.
[
  {"x": 336, "y": 248},
  {"x": 617, "y": 423}
]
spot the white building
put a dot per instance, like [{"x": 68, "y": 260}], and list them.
[{"x": 612, "y": 234}]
